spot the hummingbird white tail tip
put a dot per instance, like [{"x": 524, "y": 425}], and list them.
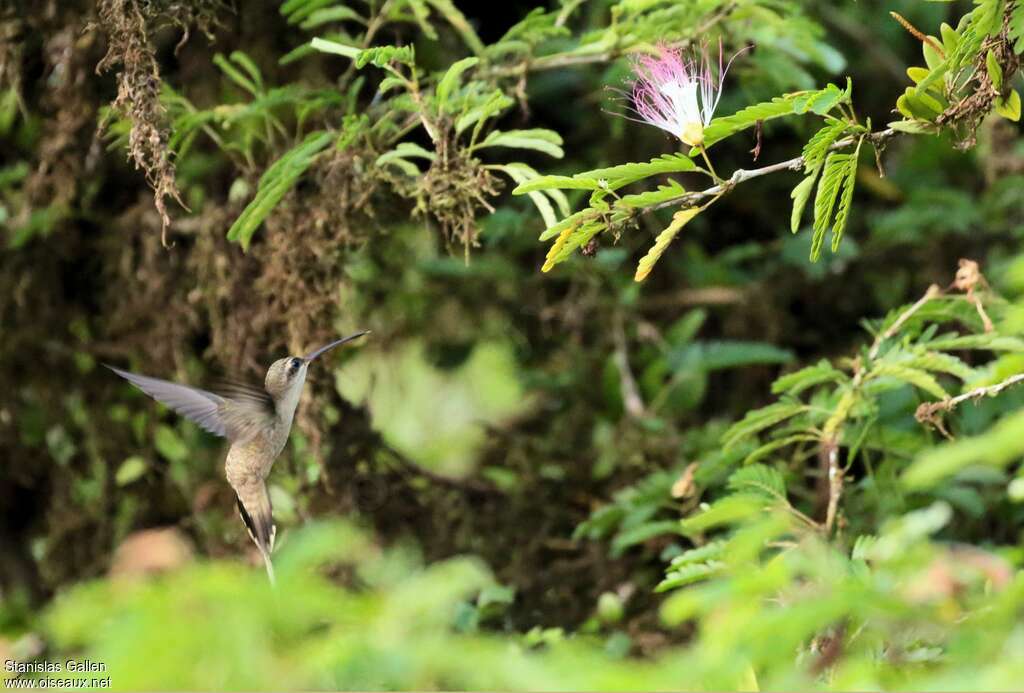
[{"x": 270, "y": 569}]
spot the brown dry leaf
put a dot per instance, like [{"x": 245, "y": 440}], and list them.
[
  {"x": 684, "y": 487},
  {"x": 151, "y": 551},
  {"x": 968, "y": 275},
  {"x": 968, "y": 279}
]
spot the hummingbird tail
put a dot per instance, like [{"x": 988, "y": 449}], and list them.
[
  {"x": 258, "y": 517},
  {"x": 270, "y": 568}
]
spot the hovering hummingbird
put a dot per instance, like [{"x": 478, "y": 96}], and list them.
[{"x": 255, "y": 420}]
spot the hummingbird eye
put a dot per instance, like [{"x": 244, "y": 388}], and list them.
[{"x": 293, "y": 366}]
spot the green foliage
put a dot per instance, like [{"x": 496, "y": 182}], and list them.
[
  {"x": 396, "y": 630},
  {"x": 275, "y": 183},
  {"x": 943, "y": 87},
  {"x": 540, "y": 140},
  {"x": 765, "y": 602},
  {"x": 998, "y": 447},
  {"x": 1015, "y": 27},
  {"x": 819, "y": 101},
  {"x": 631, "y": 518},
  {"x": 436, "y": 418}
]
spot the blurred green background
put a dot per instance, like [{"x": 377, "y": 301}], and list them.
[{"x": 487, "y": 493}]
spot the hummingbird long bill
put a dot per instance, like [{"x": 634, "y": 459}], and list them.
[{"x": 256, "y": 422}]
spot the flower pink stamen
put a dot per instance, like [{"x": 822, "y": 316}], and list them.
[{"x": 678, "y": 92}]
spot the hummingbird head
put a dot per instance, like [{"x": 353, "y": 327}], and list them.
[{"x": 286, "y": 376}]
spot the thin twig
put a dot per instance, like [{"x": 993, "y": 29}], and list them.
[
  {"x": 931, "y": 412},
  {"x": 828, "y": 449},
  {"x": 933, "y": 292},
  {"x": 708, "y": 295},
  {"x": 631, "y": 399},
  {"x": 690, "y": 199},
  {"x": 830, "y": 453}
]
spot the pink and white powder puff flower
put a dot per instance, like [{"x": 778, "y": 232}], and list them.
[{"x": 678, "y": 92}]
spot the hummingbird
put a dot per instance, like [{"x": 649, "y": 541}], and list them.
[{"x": 255, "y": 420}]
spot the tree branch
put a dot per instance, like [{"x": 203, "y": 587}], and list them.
[
  {"x": 931, "y": 412},
  {"x": 834, "y": 479},
  {"x": 691, "y": 199},
  {"x": 933, "y": 292},
  {"x": 631, "y": 399}
]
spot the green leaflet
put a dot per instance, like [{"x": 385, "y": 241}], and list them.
[
  {"x": 941, "y": 363},
  {"x": 297, "y": 10},
  {"x": 641, "y": 533},
  {"x": 989, "y": 341},
  {"x": 614, "y": 176},
  {"x": 814, "y": 154},
  {"x": 326, "y": 46},
  {"x": 800, "y": 195},
  {"x": 274, "y": 183},
  {"x": 571, "y": 220},
  {"x": 521, "y": 173},
  {"x": 839, "y": 175},
  {"x": 539, "y": 139},
  {"x": 253, "y": 83},
  {"x": 379, "y": 56},
  {"x": 760, "y": 419},
  {"x": 1009, "y": 107},
  {"x": 650, "y": 198},
  {"x": 667, "y": 163},
  {"x": 575, "y": 233},
  {"x": 759, "y": 479},
  {"x": 982, "y": 21},
  {"x": 709, "y": 551},
  {"x": 846, "y": 200},
  {"x": 796, "y": 382},
  {"x": 723, "y": 127},
  {"x": 450, "y": 81},
  {"x": 835, "y": 170},
  {"x": 820, "y": 101},
  {"x": 688, "y": 574},
  {"x": 400, "y": 155},
  {"x": 556, "y": 183},
  {"x": 995, "y": 71},
  {"x": 777, "y": 444},
  {"x": 913, "y": 376},
  {"x": 727, "y": 510},
  {"x": 495, "y": 103},
  {"x": 817, "y": 147},
  {"x": 327, "y": 15},
  {"x": 1015, "y": 28}
]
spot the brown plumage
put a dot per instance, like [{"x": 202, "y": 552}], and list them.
[{"x": 256, "y": 421}]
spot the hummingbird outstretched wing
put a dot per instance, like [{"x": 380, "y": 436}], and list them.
[{"x": 236, "y": 415}]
